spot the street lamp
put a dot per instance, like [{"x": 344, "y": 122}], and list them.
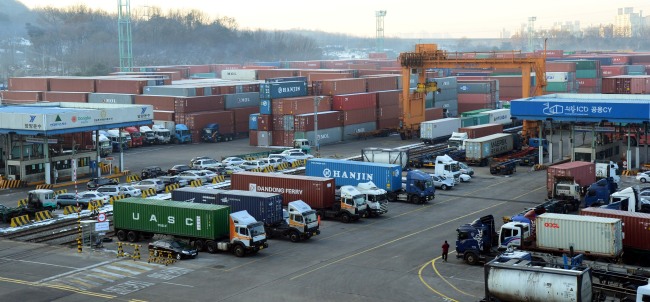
[{"x": 317, "y": 100}]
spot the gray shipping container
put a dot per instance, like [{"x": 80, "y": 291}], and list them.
[
  {"x": 111, "y": 98},
  {"x": 171, "y": 90},
  {"x": 350, "y": 130},
  {"x": 241, "y": 100},
  {"x": 447, "y": 83},
  {"x": 476, "y": 88},
  {"x": 264, "y": 138},
  {"x": 197, "y": 195},
  {"x": 451, "y": 107},
  {"x": 447, "y": 94},
  {"x": 477, "y": 149},
  {"x": 325, "y": 136}
]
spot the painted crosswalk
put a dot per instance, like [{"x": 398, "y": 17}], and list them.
[{"x": 105, "y": 274}]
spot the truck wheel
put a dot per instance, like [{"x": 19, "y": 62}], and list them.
[
  {"x": 294, "y": 236},
  {"x": 199, "y": 245},
  {"x": 443, "y": 187},
  {"x": 471, "y": 259},
  {"x": 132, "y": 236},
  {"x": 239, "y": 251},
  {"x": 415, "y": 199},
  {"x": 212, "y": 246},
  {"x": 345, "y": 218},
  {"x": 121, "y": 235}
]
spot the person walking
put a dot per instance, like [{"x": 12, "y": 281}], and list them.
[{"x": 445, "y": 250}]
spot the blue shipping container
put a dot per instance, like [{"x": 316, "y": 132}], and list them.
[
  {"x": 286, "y": 79},
  {"x": 265, "y": 106},
  {"x": 351, "y": 173},
  {"x": 265, "y": 207},
  {"x": 252, "y": 121},
  {"x": 283, "y": 90}
]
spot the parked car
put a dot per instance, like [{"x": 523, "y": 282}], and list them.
[
  {"x": 233, "y": 161},
  {"x": 442, "y": 182},
  {"x": 299, "y": 155},
  {"x": 152, "y": 172},
  {"x": 253, "y": 164},
  {"x": 115, "y": 190},
  {"x": 178, "y": 169},
  {"x": 643, "y": 176},
  {"x": 152, "y": 183},
  {"x": 71, "y": 199},
  {"x": 195, "y": 159},
  {"x": 210, "y": 175},
  {"x": 283, "y": 157},
  {"x": 465, "y": 178},
  {"x": 97, "y": 182},
  {"x": 192, "y": 175},
  {"x": 173, "y": 179},
  {"x": 179, "y": 249},
  {"x": 272, "y": 161},
  {"x": 286, "y": 152},
  {"x": 94, "y": 195},
  {"x": 233, "y": 169},
  {"x": 206, "y": 164}
]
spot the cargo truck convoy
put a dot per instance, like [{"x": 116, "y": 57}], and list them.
[
  {"x": 417, "y": 187},
  {"x": 318, "y": 192},
  {"x": 300, "y": 224},
  {"x": 207, "y": 227}
]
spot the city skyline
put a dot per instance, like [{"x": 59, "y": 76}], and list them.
[{"x": 409, "y": 19}]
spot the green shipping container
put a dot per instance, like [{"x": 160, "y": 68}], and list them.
[
  {"x": 557, "y": 86},
  {"x": 467, "y": 121},
  {"x": 587, "y": 74},
  {"x": 473, "y": 112},
  {"x": 482, "y": 119},
  {"x": 584, "y": 64},
  {"x": 183, "y": 219}
]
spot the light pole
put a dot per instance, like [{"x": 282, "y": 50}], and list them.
[{"x": 317, "y": 100}]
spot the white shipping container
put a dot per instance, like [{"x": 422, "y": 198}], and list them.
[
  {"x": 557, "y": 76},
  {"x": 587, "y": 234},
  {"x": 264, "y": 138},
  {"x": 431, "y": 130},
  {"x": 499, "y": 116},
  {"x": 239, "y": 74}
]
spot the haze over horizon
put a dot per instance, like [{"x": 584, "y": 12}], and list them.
[{"x": 405, "y": 19}]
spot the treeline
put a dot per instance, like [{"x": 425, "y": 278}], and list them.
[{"x": 78, "y": 40}]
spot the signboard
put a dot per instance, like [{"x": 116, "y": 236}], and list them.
[
  {"x": 595, "y": 129},
  {"x": 108, "y": 158},
  {"x": 577, "y": 110},
  {"x": 101, "y": 217},
  {"x": 40, "y": 140},
  {"x": 102, "y": 226}
]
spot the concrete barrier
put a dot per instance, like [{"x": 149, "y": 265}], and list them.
[{"x": 20, "y": 221}]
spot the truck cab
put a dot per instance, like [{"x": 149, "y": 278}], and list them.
[
  {"x": 477, "y": 241},
  {"x": 447, "y": 167},
  {"x": 163, "y": 135},
  {"x": 148, "y": 136},
  {"x": 300, "y": 223},
  {"x": 136, "y": 136},
  {"x": 105, "y": 146},
  {"x": 599, "y": 192},
  {"x": 116, "y": 140},
  {"x": 302, "y": 144},
  {"x": 417, "y": 187},
  {"x": 608, "y": 169},
  {"x": 182, "y": 134},
  {"x": 376, "y": 198},
  {"x": 628, "y": 200},
  {"x": 41, "y": 199},
  {"x": 457, "y": 140},
  {"x": 247, "y": 235},
  {"x": 351, "y": 205},
  {"x": 210, "y": 134}
]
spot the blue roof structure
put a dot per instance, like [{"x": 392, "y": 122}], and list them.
[{"x": 594, "y": 108}]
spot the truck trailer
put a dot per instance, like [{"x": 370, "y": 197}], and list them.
[
  {"x": 478, "y": 151},
  {"x": 318, "y": 192},
  {"x": 568, "y": 181},
  {"x": 436, "y": 131},
  {"x": 206, "y": 226},
  {"x": 457, "y": 139}
]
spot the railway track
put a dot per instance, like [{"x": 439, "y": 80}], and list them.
[{"x": 50, "y": 233}]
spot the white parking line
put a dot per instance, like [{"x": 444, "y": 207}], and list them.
[
  {"x": 75, "y": 271},
  {"x": 178, "y": 284},
  {"x": 40, "y": 263}
]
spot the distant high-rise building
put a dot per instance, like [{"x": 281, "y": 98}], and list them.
[{"x": 627, "y": 23}]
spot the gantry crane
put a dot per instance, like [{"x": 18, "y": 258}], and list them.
[{"x": 428, "y": 56}]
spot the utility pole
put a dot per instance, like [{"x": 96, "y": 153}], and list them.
[{"x": 531, "y": 31}]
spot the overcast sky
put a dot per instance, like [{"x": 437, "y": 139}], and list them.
[{"x": 406, "y": 18}]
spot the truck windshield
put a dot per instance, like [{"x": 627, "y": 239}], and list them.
[
  {"x": 453, "y": 167},
  {"x": 207, "y": 131},
  {"x": 256, "y": 229},
  {"x": 453, "y": 143},
  {"x": 378, "y": 198},
  {"x": 183, "y": 132},
  {"x": 135, "y": 134},
  {"x": 359, "y": 200},
  {"x": 310, "y": 217}
]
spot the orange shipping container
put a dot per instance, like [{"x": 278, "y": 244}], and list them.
[
  {"x": 73, "y": 84},
  {"x": 29, "y": 84},
  {"x": 23, "y": 96},
  {"x": 60, "y": 96}
]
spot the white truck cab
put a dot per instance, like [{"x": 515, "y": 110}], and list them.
[{"x": 376, "y": 198}]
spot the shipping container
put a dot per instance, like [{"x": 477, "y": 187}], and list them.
[
  {"x": 286, "y": 79},
  {"x": 300, "y": 105},
  {"x": 593, "y": 236},
  {"x": 351, "y": 117},
  {"x": 355, "y": 101},
  {"x": 63, "y": 96},
  {"x": 125, "y": 85},
  {"x": 240, "y": 100},
  {"x": 583, "y": 173},
  {"x": 391, "y": 112},
  {"x": 282, "y": 90},
  {"x": 24, "y": 96},
  {"x": 326, "y": 136},
  {"x": 627, "y": 84},
  {"x": 172, "y": 218},
  {"x": 481, "y": 130},
  {"x": 635, "y": 227},
  {"x": 111, "y": 98},
  {"x": 317, "y": 192},
  {"x": 172, "y": 90},
  {"x": 72, "y": 84},
  {"x": 163, "y": 115},
  {"x": 388, "y": 98},
  {"x": 431, "y": 131},
  {"x": 283, "y": 122},
  {"x": 252, "y": 121},
  {"x": 477, "y": 87},
  {"x": 241, "y": 118},
  {"x": 326, "y": 119},
  {"x": 198, "y": 120},
  {"x": 182, "y": 104},
  {"x": 498, "y": 116},
  {"x": 264, "y": 138},
  {"x": 429, "y": 114},
  {"x": 29, "y": 84},
  {"x": 351, "y": 132},
  {"x": 239, "y": 74},
  {"x": 266, "y": 74},
  {"x": 339, "y": 86},
  {"x": 351, "y": 173},
  {"x": 381, "y": 83},
  {"x": 264, "y": 122},
  {"x": 316, "y": 76},
  {"x": 479, "y": 150}
]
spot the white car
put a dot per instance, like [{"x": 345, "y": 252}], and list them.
[
  {"x": 94, "y": 195},
  {"x": 253, "y": 164},
  {"x": 233, "y": 161},
  {"x": 299, "y": 155},
  {"x": 206, "y": 164},
  {"x": 151, "y": 183},
  {"x": 283, "y": 157},
  {"x": 233, "y": 169},
  {"x": 191, "y": 175},
  {"x": 286, "y": 152},
  {"x": 272, "y": 161},
  {"x": 465, "y": 178},
  {"x": 643, "y": 176},
  {"x": 112, "y": 190},
  {"x": 209, "y": 175},
  {"x": 442, "y": 182}
]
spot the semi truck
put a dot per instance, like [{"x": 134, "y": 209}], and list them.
[
  {"x": 478, "y": 151},
  {"x": 416, "y": 188},
  {"x": 438, "y": 131},
  {"x": 207, "y": 227},
  {"x": 569, "y": 181},
  {"x": 148, "y": 135},
  {"x": 457, "y": 139},
  {"x": 163, "y": 135},
  {"x": 628, "y": 200},
  {"x": 550, "y": 233},
  {"x": 318, "y": 192},
  {"x": 136, "y": 136},
  {"x": 265, "y": 207},
  {"x": 448, "y": 167},
  {"x": 600, "y": 192},
  {"x": 104, "y": 145},
  {"x": 608, "y": 169},
  {"x": 211, "y": 134},
  {"x": 182, "y": 134}
]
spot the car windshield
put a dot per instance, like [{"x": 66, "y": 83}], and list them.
[{"x": 256, "y": 229}]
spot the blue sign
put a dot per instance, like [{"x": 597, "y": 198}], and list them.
[{"x": 614, "y": 110}]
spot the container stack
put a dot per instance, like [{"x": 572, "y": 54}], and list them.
[
  {"x": 510, "y": 86},
  {"x": 447, "y": 98},
  {"x": 477, "y": 94},
  {"x": 388, "y": 109},
  {"x": 587, "y": 73},
  {"x": 474, "y": 118},
  {"x": 626, "y": 84}
]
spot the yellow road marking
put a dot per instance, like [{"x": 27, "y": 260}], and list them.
[
  {"x": 433, "y": 265},
  {"x": 428, "y": 286},
  {"x": 64, "y": 288}
]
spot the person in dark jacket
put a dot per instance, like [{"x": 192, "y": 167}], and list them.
[{"x": 445, "y": 251}]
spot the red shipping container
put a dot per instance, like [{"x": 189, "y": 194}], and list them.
[
  {"x": 282, "y": 138},
  {"x": 469, "y": 107},
  {"x": 300, "y": 105},
  {"x": 59, "y": 96},
  {"x": 475, "y": 98},
  {"x": 626, "y": 85},
  {"x": 126, "y": 86},
  {"x": 339, "y": 86},
  {"x": 363, "y": 73},
  {"x": 560, "y": 66},
  {"x": 589, "y": 89},
  {"x": 329, "y": 119},
  {"x": 29, "y": 84},
  {"x": 550, "y": 53},
  {"x": 198, "y": 68},
  {"x": 197, "y": 121},
  {"x": 635, "y": 226},
  {"x": 264, "y": 74},
  {"x": 507, "y": 81},
  {"x": 73, "y": 84},
  {"x": 354, "y": 101},
  {"x": 317, "y": 192},
  {"x": 352, "y": 117},
  {"x": 321, "y": 76},
  {"x": 381, "y": 83},
  {"x": 264, "y": 122},
  {"x": 388, "y": 98},
  {"x": 589, "y": 82},
  {"x": 511, "y": 91},
  {"x": 241, "y": 116},
  {"x": 429, "y": 114},
  {"x": 332, "y": 64},
  {"x": 388, "y": 123},
  {"x": 583, "y": 173},
  {"x": 25, "y": 96},
  {"x": 217, "y": 68},
  {"x": 252, "y": 138},
  {"x": 390, "y": 112},
  {"x": 163, "y": 115},
  {"x": 620, "y": 59},
  {"x": 481, "y": 130},
  {"x": 613, "y": 70}
]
